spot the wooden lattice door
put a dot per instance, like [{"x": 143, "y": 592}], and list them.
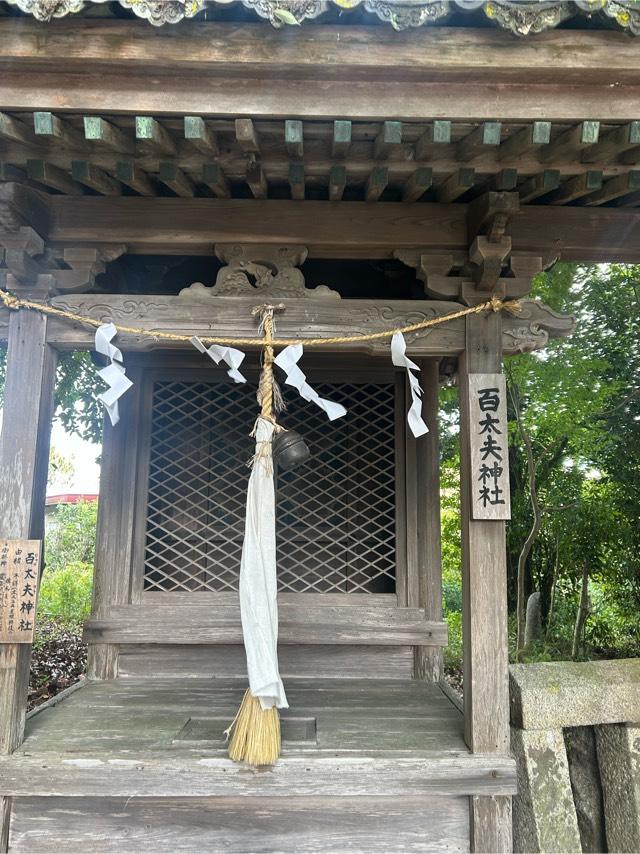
[{"x": 337, "y": 517}]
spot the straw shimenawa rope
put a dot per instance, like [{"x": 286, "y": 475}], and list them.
[
  {"x": 493, "y": 304},
  {"x": 254, "y": 733}
]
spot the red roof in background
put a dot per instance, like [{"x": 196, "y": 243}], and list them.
[{"x": 71, "y": 498}]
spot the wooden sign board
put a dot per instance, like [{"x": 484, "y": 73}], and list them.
[
  {"x": 19, "y": 574},
  {"x": 490, "y": 496}
]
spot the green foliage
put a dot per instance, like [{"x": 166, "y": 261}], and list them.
[
  {"x": 580, "y": 404},
  {"x": 65, "y": 589},
  {"x": 71, "y": 537},
  {"x": 65, "y": 594},
  {"x": 77, "y": 389}
]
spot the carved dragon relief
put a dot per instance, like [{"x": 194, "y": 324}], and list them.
[{"x": 270, "y": 272}]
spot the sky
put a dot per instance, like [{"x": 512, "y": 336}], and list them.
[{"x": 86, "y": 471}]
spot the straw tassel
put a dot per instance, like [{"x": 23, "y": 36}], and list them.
[{"x": 254, "y": 733}]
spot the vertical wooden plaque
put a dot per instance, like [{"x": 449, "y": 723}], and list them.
[
  {"x": 490, "y": 496},
  {"x": 19, "y": 575}
]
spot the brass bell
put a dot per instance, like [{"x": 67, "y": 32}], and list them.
[{"x": 289, "y": 450}]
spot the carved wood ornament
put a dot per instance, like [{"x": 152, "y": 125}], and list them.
[{"x": 270, "y": 272}]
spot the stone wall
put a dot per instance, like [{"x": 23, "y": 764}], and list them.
[{"x": 575, "y": 732}]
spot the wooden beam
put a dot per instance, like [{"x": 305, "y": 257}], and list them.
[
  {"x": 152, "y": 137},
  {"x": 615, "y": 142},
  {"x": 296, "y": 180},
  {"x": 337, "y": 182},
  {"x": 486, "y": 134},
  {"x": 575, "y": 188},
  {"x": 293, "y": 138},
  {"x": 86, "y": 173},
  {"x": 524, "y": 141},
  {"x": 341, "y": 138},
  {"x": 503, "y": 181},
  {"x": 214, "y": 178},
  {"x": 568, "y": 144},
  {"x": 456, "y": 185},
  {"x": 256, "y": 180},
  {"x": 433, "y": 67},
  {"x": 51, "y": 127},
  {"x": 172, "y": 774},
  {"x": 192, "y": 624},
  {"x": 200, "y": 136},
  {"x": 387, "y": 144},
  {"x": 107, "y": 135},
  {"x": 50, "y": 176},
  {"x": 127, "y": 172},
  {"x": 15, "y": 131},
  {"x": 179, "y": 226},
  {"x": 176, "y": 180},
  {"x": 539, "y": 185},
  {"x": 433, "y": 144},
  {"x": 417, "y": 184},
  {"x": 376, "y": 183},
  {"x": 9, "y": 172},
  {"x": 614, "y": 188},
  {"x": 246, "y": 136}
]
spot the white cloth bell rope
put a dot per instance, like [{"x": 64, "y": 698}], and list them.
[
  {"x": 114, "y": 374},
  {"x": 229, "y": 355},
  {"x": 400, "y": 360},
  {"x": 288, "y": 360}
]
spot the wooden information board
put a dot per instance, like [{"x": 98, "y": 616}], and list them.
[
  {"x": 19, "y": 574},
  {"x": 490, "y": 496}
]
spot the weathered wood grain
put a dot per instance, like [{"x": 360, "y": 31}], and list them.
[
  {"x": 175, "y": 775},
  {"x": 484, "y": 605},
  {"x": 24, "y": 459},
  {"x": 174, "y": 226},
  {"x": 197, "y": 624},
  {"x": 295, "y": 660},
  {"x": 269, "y": 75},
  {"x": 428, "y": 660},
  {"x": 304, "y": 824}
]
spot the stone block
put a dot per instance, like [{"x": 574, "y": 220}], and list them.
[
  {"x": 580, "y": 744},
  {"x": 619, "y": 761},
  {"x": 551, "y": 695},
  {"x": 544, "y": 816}
]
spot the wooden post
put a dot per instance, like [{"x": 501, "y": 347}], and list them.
[
  {"x": 112, "y": 572},
  {"x": 484, "y": 605},
  {"x": 24, "y": 461},
  {"x": 428, "y": 659}
]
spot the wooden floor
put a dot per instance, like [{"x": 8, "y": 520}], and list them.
[{"x": 140, "y": 765}]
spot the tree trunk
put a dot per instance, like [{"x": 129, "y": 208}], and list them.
[
  {"x": 521, "y": 605},
  {"x": 582, "y": 613},
  {"x": 552, "y": 594}
]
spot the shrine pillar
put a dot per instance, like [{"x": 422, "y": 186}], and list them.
[
  {"x": 484, "y": 602},
  {"x": 24, "y": 460}
]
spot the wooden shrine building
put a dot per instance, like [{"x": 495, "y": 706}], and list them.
[{"x": 170, "y": 165}]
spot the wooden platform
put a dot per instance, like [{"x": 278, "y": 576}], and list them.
[{"x": 366, "y": 766}]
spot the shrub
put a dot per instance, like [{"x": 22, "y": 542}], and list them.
[{"x": 65, "y": 594}]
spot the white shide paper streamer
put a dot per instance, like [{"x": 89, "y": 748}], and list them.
[
  {"x": 258, "y": 583},
  {"x": 114, "y": 374},
  {"x": 231, "y": 357},
  {"x": 400, "y": 360},
  {"x": 288, "y": 360}
]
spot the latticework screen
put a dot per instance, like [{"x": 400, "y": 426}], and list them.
[{"x": 335, "y": 515}]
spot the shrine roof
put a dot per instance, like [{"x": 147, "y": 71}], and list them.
[{"x": 522, "y": 18}]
